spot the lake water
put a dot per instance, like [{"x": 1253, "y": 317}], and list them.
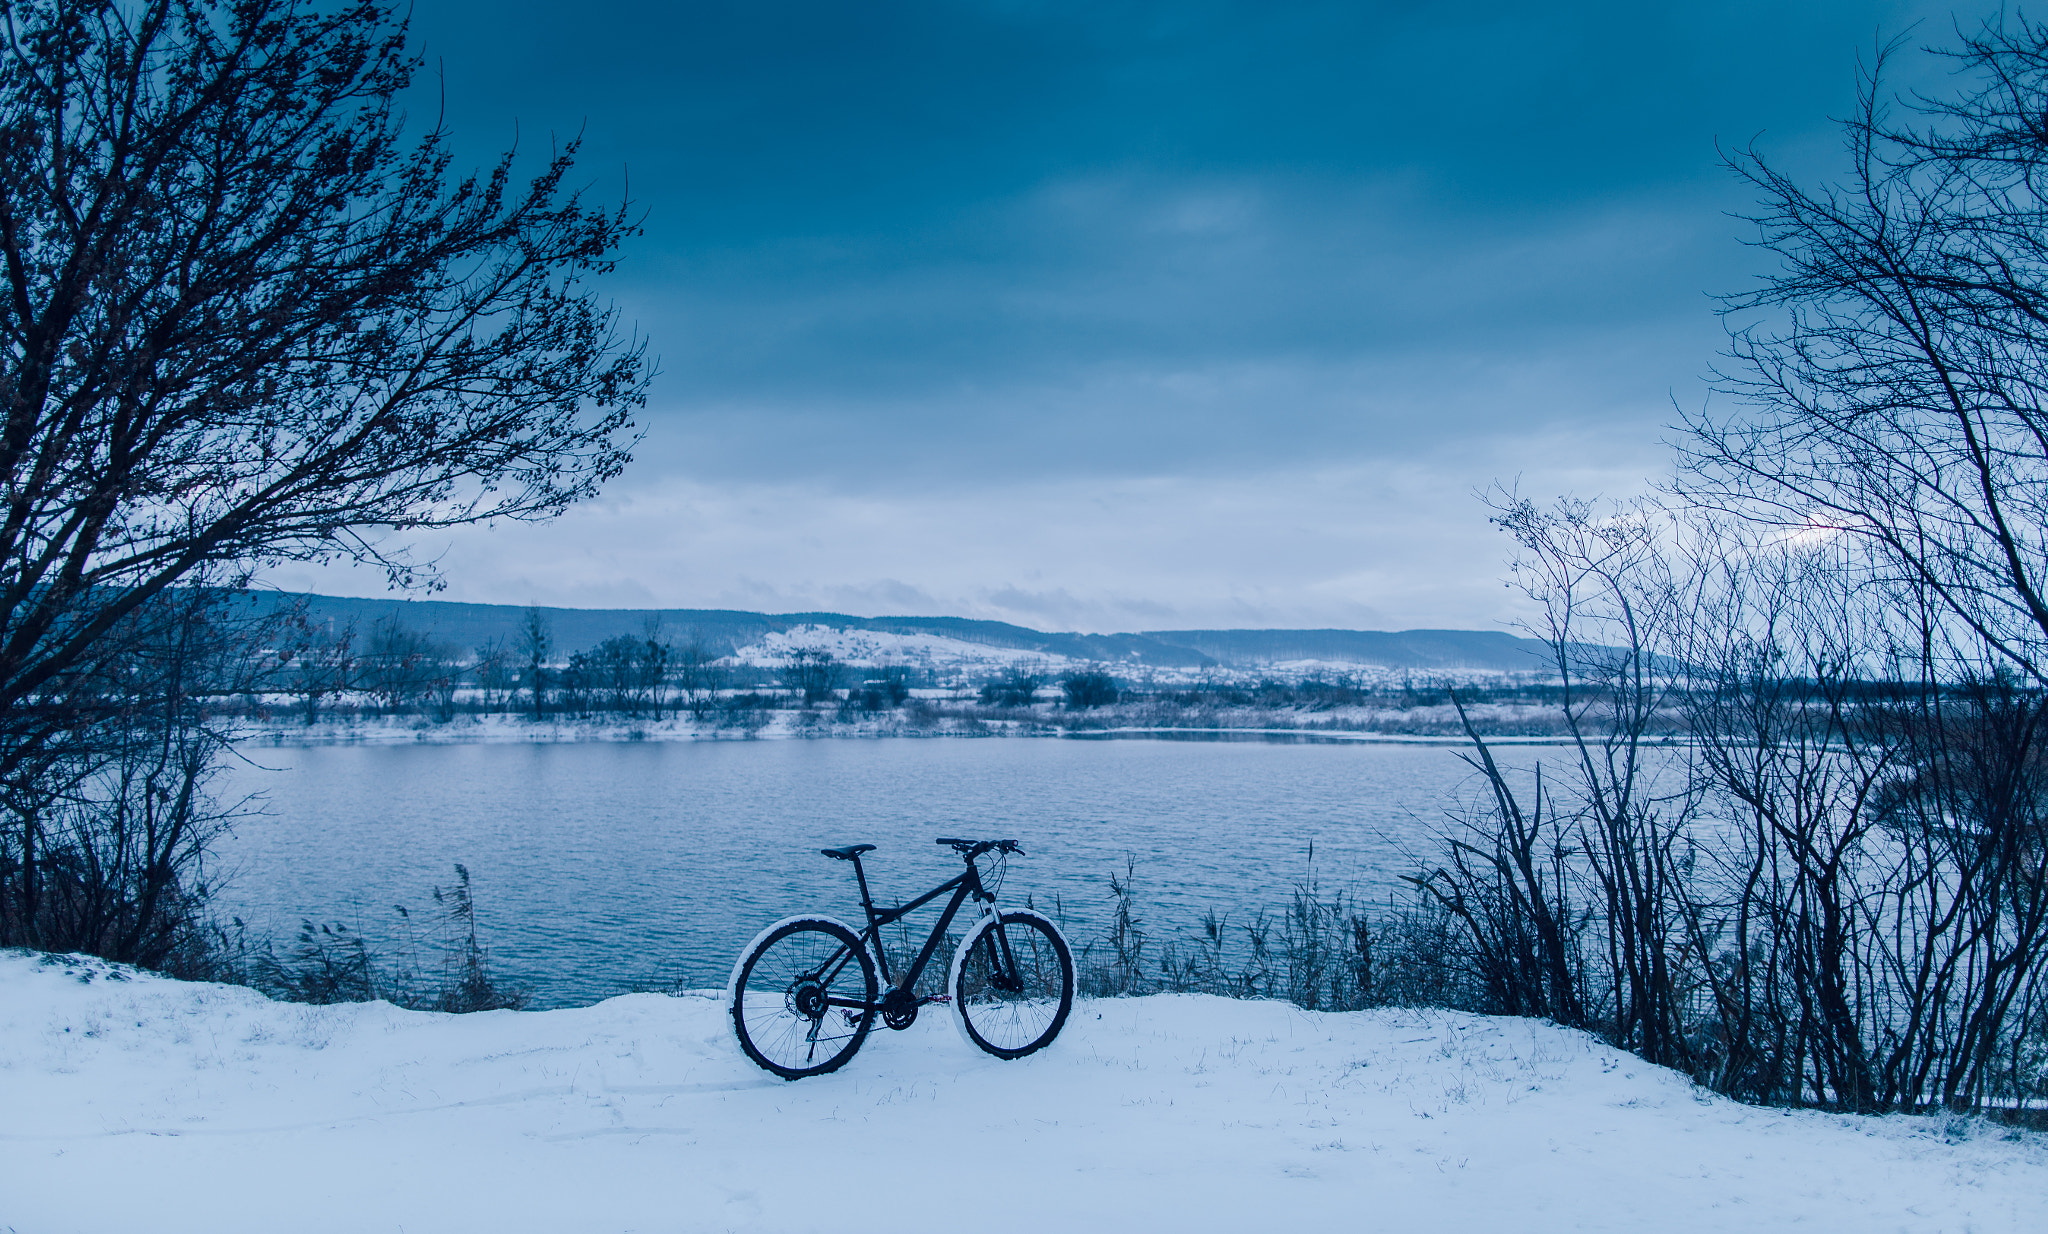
[{"x": 601, "y": 867}]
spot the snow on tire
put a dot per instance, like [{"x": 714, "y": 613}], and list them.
[{"x": 1052, "y": 965}]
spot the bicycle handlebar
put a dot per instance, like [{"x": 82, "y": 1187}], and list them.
[{"x": 975, "y": 848}]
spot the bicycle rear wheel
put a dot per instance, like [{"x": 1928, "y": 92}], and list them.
[
  {"x": 801, "y": 996},
  {"x": 1012, "y": 984}
]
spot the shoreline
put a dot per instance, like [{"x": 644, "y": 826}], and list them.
[{"x": 814, "y": 726}]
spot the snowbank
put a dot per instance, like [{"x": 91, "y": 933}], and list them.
[{"x": 132, "y": 1102}]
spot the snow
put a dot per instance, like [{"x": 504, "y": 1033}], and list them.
[
  {"x": 133, "y": 1102},
  {"x": 880, "y": 648},
  {"x": 964, "y": 661}
]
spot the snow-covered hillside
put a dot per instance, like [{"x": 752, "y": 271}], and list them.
[
  {"x": 137, "y": 1103},
  {"x": 959, "y": 661},
  {"x": 882, "y": 648},
  {"x": 976, "y": 648}
]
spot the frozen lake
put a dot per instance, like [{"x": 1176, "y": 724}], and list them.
[{"x": 599, "y": 867}]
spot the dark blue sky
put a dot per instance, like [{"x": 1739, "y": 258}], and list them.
[{"x": 1135, "y": 315}]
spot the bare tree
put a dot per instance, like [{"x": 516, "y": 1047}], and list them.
[
  {"x": 398, "y": 665},
  {"x": 1832, "y": 890},
  {"x": 652, "y": 666},
  {"x": 1089, "y": 688},
  {"x": 624, "y": 673},
  {"x": 696, "y": 674},
  {"x": 812, "y": 672},
  {"x": 107, "y": 851},
  {"x": 536, "y": 644},
  {"x": 494, "y": 676},
  {"x": 1613, "y": 823},
  {"x": 1872, "y": 714},
  {"x": 1894, "y": 370},
  {"x": 316, "y": 661},
  {"x": 245, "y": 322}
]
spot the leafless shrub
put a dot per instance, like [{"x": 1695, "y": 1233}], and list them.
[
  {"x": 445, "y": 969},
  {"x": 1834, "y": 893},
  {"x": 108, "y": 827}
]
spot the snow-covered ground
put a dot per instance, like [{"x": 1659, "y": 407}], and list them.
[{"x": 135, "y": 1103}]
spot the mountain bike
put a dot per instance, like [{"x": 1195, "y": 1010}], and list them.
[{"x": 807, "y": 990}]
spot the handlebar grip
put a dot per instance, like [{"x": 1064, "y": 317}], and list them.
[{"x": 950, "y": 840}]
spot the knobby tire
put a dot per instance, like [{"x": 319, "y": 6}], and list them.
[
  {"x": 1012, "y": 1022},
  {"x": 793, "y": 960}
]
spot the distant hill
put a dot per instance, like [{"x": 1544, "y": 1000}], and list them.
[{"x": 724, "y": 631}]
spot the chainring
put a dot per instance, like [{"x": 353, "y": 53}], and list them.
[{"x": 899, "y": 1008}]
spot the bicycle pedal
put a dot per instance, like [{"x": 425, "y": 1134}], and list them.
[{"x": 938, "y": 998}]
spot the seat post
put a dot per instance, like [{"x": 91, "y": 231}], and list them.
[{"x": 867, "y": 902}]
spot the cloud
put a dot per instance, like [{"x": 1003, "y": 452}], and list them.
[
  {"x": 1144, "y": 272},
  {"x": 1150, "y": 314},
  {"x": 1389, "y": 543}
]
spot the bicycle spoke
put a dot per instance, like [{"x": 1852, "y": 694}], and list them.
[
  {"x": 787, "y": 992},
  {"x": 1015, "y": 985}
]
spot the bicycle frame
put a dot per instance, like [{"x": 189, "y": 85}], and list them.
[
  {"x": 963, "y": 886},
  {"x": 1010, "y": 986}
]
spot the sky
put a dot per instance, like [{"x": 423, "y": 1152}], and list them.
[{"x": 1118, "y": 316}]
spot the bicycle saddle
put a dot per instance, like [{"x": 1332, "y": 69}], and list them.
[{"x": 849, "y": 852}]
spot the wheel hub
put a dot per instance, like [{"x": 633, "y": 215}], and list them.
[{"x": 807, "y": 998}]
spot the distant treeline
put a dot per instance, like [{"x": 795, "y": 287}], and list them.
[
  {"x": 390, "y": 668},
  {"x": 724, "y": 631}
]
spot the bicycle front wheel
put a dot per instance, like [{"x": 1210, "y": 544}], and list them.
[
  {"x": 1012, "y": 984},
  {"x": 802, "y": 996}
]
